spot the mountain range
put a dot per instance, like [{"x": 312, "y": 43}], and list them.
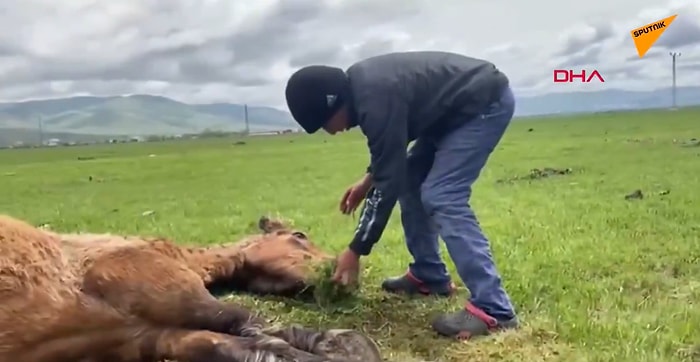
[
  {"x": 605, "y": 100},
  {"x": 139, "y": 115}
]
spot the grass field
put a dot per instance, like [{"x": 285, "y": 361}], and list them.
[{"x": 595, "y": 277}]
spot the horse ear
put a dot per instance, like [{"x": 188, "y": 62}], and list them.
[
  {"x": 263, "y": 224},
  {"x": 267, "y": 225}
]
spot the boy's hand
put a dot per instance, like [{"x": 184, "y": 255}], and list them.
[
  {"x": 347, "y": 268},
  {"x": 354, "y": 195}
]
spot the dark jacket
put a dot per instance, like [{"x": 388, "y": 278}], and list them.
[{"x": 399, "y": 97}]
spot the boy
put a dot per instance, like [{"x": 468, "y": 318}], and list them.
[{"x": 456, "y": 108}]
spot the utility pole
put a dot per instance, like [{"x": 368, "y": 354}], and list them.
[
  {"x": 247, "y": 124},
  {"x": 41, "y": 131},
  {"x": 674, "y": 55}
]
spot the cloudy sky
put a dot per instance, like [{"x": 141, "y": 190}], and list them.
[{"x": 243, "y": 51}]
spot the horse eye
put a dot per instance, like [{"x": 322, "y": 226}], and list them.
[{"x": 300, "y": 235}]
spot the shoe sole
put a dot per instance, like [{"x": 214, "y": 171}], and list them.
[
  {"x": 467, "y": 335},
  {"x": 418, "y": 292}
]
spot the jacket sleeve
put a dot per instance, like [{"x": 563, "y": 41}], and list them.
[{"x": 383, "y": 120}]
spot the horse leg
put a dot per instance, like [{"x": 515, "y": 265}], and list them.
[
  {"x": 205, "y": 346},
  {"x": 70, "y": 326},
  {"x": 165, "y": 292}
]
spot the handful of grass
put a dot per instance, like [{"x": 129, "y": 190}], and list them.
[{"x": 326, "y": 291}]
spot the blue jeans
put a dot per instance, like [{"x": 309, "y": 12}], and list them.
[{"x": 441, "y": 174}]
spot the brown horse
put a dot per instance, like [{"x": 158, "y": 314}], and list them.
[{"x": 101, "y": 297}]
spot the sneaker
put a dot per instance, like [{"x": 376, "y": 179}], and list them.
[
  {"x": 470, "y": 322},
  {"x": 408, "y": 284}
]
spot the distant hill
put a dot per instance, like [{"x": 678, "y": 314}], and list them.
[
  {"x": 137, "y": 115},
  {"x": 605, "y": 100},
  {"x": 140, "y": 115}
]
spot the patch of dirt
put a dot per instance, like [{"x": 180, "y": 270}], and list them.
[
  {"x": 639, "y": 195},
  {"x": 538, "y": 174},
  {"x": 635, "y": 195},
  {"x": 693, "y": 142},
  {"x": 239, "y": 143},
  {"x": 95, "y": 179},
  {"x": 85, "y": 158}
]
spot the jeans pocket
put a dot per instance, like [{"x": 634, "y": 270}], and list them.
[{"x": 504, "y": 107}]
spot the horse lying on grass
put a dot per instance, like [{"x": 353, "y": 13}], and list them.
[{"x": 100, "y": 297}]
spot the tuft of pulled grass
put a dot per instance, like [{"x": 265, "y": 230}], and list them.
[{"x": 326, "y": 292}]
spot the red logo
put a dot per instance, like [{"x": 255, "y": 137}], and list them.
[{"x": 571, "y": 76}]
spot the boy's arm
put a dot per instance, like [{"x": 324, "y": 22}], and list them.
[{"x": 384, "y": 122}]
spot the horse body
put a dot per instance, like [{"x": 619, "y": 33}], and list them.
[{"x": 101, "y": 297}]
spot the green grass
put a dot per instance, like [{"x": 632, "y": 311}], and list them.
[{"x": 594, "y": 277}]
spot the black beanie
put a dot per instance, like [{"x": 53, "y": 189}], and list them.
[{"x": 314, "y": 94}]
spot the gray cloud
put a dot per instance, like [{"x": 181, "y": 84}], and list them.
[
  {"x": 590, "y": 55},
  {"x": 7, "y": 50},
  {"x": 693, "y": 67},
  {"x": 327, "y": 55},
  {"x": 255, "y": 45},
  {"x": 622, "y": 73},
  {"x": 684, "y": 31},
  {"x": 173, "y": 53},
  {"x": 232, "y": 50},
  {"x": 375, "y": 47},
  {"x": 336, "y": 54},
  {"x": 653, "y": 53},
  {"x": 577, "y": 42}
]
